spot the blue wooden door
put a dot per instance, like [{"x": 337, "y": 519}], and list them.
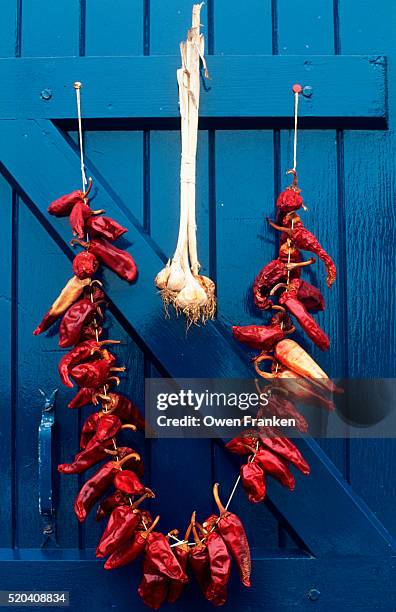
[{"x": 331, "y": 543}]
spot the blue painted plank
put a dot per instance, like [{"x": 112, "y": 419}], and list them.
[
  {"x": 369, "y": 179},
  {"x": 168, "y": 25},
  {"x": 318, "y": 168},
  {"x": 36, "y": 366},
  {"x": 246, "y": 31},
  {"x": 7, "y": 353},
  {"x": 171, "y": 478},
  {"x": 114, "y": 153},
  {"x": 113, "y": 29},
  {"x": 50, "y": 29},
  {"x": 8, "y": 28},
  {"x": 280, "y": 584},
  {"x": 238, "y": 89},
  {"x": 305, "y": 28},
  {"x": 56, "y": 166}
]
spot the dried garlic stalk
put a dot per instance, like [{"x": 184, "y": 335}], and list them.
[{"x": 179, "y": 282}]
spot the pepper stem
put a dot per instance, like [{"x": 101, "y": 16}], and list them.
[
  {"x": 90, "y": 181},
  {"x": 256, "y": 362},
  {"x": 280, "y": 228},
  {"x": 154, "y": 524},
  {"x": 134, "y": 456},
  {"x": 82, "y": 243},
  {"x": 194, "y": 529},
  {"x": 129, "y": 426},
  {"x": 141, "y": 499},
  {"x": 220, "y": 506}
]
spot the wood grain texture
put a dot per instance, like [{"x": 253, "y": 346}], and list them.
[
  {"x": 347, "y": 180},
  {"x": 172, "y": 348},
  {"x": 7, "y": 355},
  {"x": 370, "y": 252},
  {"x": 239, "y": 87},
  {"x": 111, "y": 29},
  {"x": 49, "y": 29},
  {"x": 281, "y": 583}
]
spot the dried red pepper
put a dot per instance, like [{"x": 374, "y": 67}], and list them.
[
  {"x": 238, "y": 445},
  {"x": 75, "y": 318},
  {"x": 108, "y": 504},
  {"x": 289, "y": 299},
  {"x": 286, "y": 449},
  {"x": 234, "y": 535},
  {"x": 199, "y": 559},
  {"x": 273, "y": 273},
  {"x": 153, "y": 587},
  {"x": 298, "y": 389},
  {"x": 128, "y": 482},
  {"x": 274, "y": 466},
  {"x": 78, "y": 215},
  {"x": 182, "y": 553},
  {"x": 118, "y": 260},
  {"x": 130, "y": 551},
  {"x": 310, "y": 296},
  {"x": 119, "y": 529},
  {"x": 85, "y": 265},
  {"x": 219, "y": 569},
  {"x": 104, "y": 227},
  {"x": 289, "y": 199},
  {"x": 283, "y": 408},
  {"x": 253, "y": 481},
  {"x": 92, "y": 454},
  {"x": 304, "y": 239},
  {"x": 69, "y": 294},
  {"x": 293, "y": 356},
  {"x": 83, "y": 397},
  {"x": 89, "y": 428},
  {"x": 81, "y": 352},
  {"x": 97, "y": 485},
  {"x": 63, "y": 206},
  {"x": 94, "y": 373},
  {"x": 259, "y": 337},
  {"x": 125, "y": 409},
  {"x": 160, "y": 556}
]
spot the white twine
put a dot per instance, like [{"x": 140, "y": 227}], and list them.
[
  {"x": 296, "y": 97},
  {"x": 77, "y": 87}
]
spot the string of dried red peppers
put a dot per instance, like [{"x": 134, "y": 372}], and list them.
[
  {"x": 295, "y": 377},
  {"x": 116, "y": 485}
]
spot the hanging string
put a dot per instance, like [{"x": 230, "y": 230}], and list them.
[
  {"x": 77, "y": 86},
  {"x": 297, "y": 91}
]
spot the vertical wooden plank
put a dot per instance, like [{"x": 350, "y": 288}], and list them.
[
  {"x": 46, "y": 29},
  {"x": 305, "y": 28},
  {"x": 243, "y": 193},
  {"x": 310, "y": 30},
  {"x": 370, "y": 229},
  {"x": 243, "y": 30},
  {"x": 50, "y": 28},
  {"x": 114, "y": 28},
  {"x": 168, "y": 25},
  {"x": 8, "y": 28},
  {"x": 172, "y": 477},
  {"x": 7, "y": 308},
  {"x": 38, "y": 284},
  {"x": 118, "y": 156}
]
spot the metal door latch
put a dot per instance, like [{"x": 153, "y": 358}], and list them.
[{"x": 45, "y": 475}]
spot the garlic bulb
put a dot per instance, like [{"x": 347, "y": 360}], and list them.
[
  {"x": 162, "y": 277},
  {"x": 177, "y": 277}
]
